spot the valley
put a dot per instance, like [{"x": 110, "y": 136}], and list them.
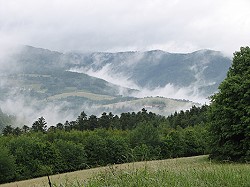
[{"x": 113, "y": 82}]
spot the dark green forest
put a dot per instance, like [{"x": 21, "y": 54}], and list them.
[{"x": 92, "y": 141}]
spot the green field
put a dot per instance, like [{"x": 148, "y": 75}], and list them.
[
  {"x": 182, "y": 172},
  {"x": 92, "y": 96}
]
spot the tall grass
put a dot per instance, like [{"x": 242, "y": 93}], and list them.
[{"x": 186, "y": 172}]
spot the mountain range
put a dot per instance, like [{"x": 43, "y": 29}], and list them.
[
  {"x": 202, "y": 70},
  {"x": 163, "y": 82}
]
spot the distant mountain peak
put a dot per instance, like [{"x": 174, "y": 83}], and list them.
[{"x": 207, "y": 52}]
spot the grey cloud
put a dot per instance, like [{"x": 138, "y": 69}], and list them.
[{"x": 109, "y": 25}]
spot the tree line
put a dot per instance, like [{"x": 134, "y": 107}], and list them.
[
  {"x": 126, "y": 121},
  {"x": 97, "y": 141}
]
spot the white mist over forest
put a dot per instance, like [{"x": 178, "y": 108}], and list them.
[{"x": 110, "y": 26}]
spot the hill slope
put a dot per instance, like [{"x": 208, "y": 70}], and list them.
[
  {"x": 190, "y": 171},
  {"x": 37, "y": 81},
  {"x": 202, "y": 70}
]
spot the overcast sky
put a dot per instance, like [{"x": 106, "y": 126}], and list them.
[{"x": 121, "y": 25}]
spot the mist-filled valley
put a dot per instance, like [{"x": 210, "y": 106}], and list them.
[{"x": 38, "y": 82}]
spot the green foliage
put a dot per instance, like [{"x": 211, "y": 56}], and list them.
[
  {"x": 81, "y": 121},
  {"x": 195, "y": 141},
  {"x": 96, "y": 150},
  {"x": 39, "y": 125},
  {"x": 230, "y": 112},
  {"x": 194, "y": 116},
  {"x": 7, "y": 165},
  {"x": 8, "y": 130},
  {"x": 72, "y": 155},
  {"x": 33, "y": 156},
  {"x": 92, "y": 141},
  {"x": 144, "y": 152},
  {"x": 117, "y": 149},
  {"x": 144, "y": 133},
  {"x": 176, "y": 143}
]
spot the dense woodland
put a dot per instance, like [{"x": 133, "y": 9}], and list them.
[{"x": 90, "y": 141}]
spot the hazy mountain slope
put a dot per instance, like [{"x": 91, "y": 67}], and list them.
[
  {"x": 203, "y": 69},
  {"x": 37, "y": 82},
  {"x": 45, "y": 72},
  {"x": 5, "y": 120},
  {"x": 200, "y": 71},
  {"x": 159, "y": 105},
  {"x": 34, "y": 80}
]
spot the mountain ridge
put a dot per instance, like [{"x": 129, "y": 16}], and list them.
[
  {"x": 43, "y": 80},
  {"x": 162, "y": 67}
]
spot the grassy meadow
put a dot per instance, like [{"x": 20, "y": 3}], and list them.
[
  {"x": 92, "y": 96},
  {"x": 181, "y": 172}
]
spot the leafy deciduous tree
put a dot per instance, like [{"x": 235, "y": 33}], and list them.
[{"x": 230, "y": 112}]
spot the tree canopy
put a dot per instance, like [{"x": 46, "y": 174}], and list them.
[
  {"x": 230, "y": 112},
  {"x": 92, "y": 141}
]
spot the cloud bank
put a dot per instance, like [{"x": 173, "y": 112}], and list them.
[
  {"x": 28, "y": 110},
  {"x": 111, "y": 25}
]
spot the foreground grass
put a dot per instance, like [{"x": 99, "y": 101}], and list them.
[
  {"x": 175, "y": 174},
  {"x": 182, "y": 172}
]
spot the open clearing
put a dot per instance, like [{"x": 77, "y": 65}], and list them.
[
  {"x": 88, "y": 95},
  {"x": 190, "y": 171}
]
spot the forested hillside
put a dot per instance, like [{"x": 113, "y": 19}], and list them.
[
  {"x": 202, "y": 70},
  {"x": 90, "y": 141},
  {"x": 35, "y": 77}
]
